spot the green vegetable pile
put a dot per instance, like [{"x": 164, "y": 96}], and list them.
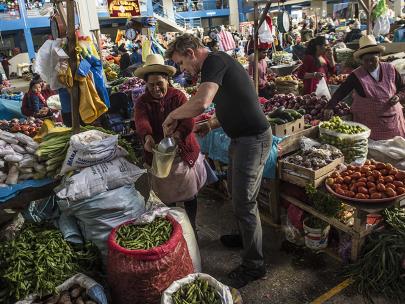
[
  {"x": 337, "y": 124},
  {"x": 197, "y": 292},
  {"x": 135, "y": 237},
  {"x": 282, "y": 115},
  {"x": 52, "y": 150},
  {"x": 379, "y": 270},
  {"x": 39, "y": 259},
  {"x": 352, "y": 148}
]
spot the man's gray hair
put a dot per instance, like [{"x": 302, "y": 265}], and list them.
[{"x": 182, "y": 43}]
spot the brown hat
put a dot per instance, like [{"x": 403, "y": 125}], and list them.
[{"x": 368, "y": 44}]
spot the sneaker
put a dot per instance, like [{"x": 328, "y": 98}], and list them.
[
  {"x": 242, "y": 276},
  {"x": 231, "y": 240}
]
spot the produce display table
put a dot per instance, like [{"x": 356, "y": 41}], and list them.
[{"x": 358, "y": 232}]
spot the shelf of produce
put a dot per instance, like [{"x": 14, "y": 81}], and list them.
[
  {"x": 301, "y": 176},
  {"x": 358, "y": 232}
]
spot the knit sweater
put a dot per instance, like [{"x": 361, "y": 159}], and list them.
[{"x": 150, "y": 114}]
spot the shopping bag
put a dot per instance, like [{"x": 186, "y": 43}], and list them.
[{"x": 322, "y": 89}]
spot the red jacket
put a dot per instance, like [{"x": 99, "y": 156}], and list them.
[
  {"x": 150, "y": 115},
  {"x": 309, "y": 66}
]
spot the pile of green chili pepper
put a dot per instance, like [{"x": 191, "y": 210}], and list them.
[
  {"x": 379, "y": 269},
  {"x": 197, "y": 292},
  {"x": 38, "y": 260},
  {"x": 135, "y": 237}
]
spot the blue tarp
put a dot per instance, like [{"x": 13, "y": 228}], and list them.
[
  {"x": 9, "y": 192},
  {"x": 216, "y": 144},
  {"x": 10, "y": 109}
]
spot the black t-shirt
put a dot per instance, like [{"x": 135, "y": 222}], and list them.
[{"x": 237, "y": 106}]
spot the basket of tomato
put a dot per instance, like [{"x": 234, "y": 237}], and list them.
[{"x": 372, "y": 182}]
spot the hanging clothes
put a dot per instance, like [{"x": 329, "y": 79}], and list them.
[
  {"x": 97, "y": 70},
  {"x": 146, "y": 49},
  {"x": 226, "y": 42}
]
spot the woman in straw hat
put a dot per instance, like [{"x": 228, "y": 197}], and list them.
[
  {"x": 188, "y": 173},
  {"x": 378, "y": 92}
]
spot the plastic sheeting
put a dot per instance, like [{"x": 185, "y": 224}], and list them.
[
  {"x": 216, "y": 144},
  {"x": 10, "y": 109},
  {"x": 11, "y": 191}
]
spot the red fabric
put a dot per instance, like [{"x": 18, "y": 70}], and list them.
[
  {"x": 374, "y": 111},
  {"x": 150, "y": 115},
  {"x": 46, "y": 93},
  {"x": 309, "y": 66},
  {"x": 140, "y": 276}
]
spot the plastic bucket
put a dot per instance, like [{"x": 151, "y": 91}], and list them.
[
  {"x": 162, "y": 163},
  {"x": 316, "y": 238}
]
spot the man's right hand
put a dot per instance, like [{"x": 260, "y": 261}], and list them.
[
  {"x": 149, "y": 143},
  {"x": 202, "y": 129}
]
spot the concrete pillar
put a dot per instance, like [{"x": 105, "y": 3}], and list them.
[
  {"x": 320, "y": 7},
  {"x": 398, "y": 7},
  {"x": 234, "y": 13},
  {"x": 168, "y": 8}
]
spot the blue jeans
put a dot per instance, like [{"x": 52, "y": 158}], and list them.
[{"x": 247, "y": 157}]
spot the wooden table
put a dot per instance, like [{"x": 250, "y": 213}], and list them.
[{"x": 358, "y": 231}]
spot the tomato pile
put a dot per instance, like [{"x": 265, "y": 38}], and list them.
[{"x": 373, "y": 180}]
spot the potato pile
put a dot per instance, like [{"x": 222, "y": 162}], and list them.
[
  {"x": 373, "y": 180},
  {"x": 75, "y": 295}
]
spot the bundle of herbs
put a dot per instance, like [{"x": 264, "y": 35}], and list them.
[
  {"x": 324, "y": 203},
  {"x": 379, "y": 270}
]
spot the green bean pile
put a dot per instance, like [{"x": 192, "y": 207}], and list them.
[
  {"x": 38, "y": 260},
  {"x": 136, "y": 237},
  {"x": 197, "y": 292},
  {"x": 379, "y": 269}
]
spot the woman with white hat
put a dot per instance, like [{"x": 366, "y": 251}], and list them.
[
  {"x": 378, "y": 92},
  {"x": 188, "y": 174}
]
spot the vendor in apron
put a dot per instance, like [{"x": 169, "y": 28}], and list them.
[
  {"x": 378, "y": 92},
  {"x": 188, "y": 173}
]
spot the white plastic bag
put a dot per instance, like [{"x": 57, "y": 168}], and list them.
[
  {"x": 223, "y": 290},
  {"x": 98, "y": 215},
  {"x": 322, "y": 89},
  {"x": 265, "y": 34},
  {"x": 91, "y": 148},
  {"x": 99, "y": 178},
  {"x": 94, "y": 290}
]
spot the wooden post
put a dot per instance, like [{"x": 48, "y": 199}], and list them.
[
  {"x": 256, "y": 45},
  {"x": 71, "y": 35},
  {"x": 368, "y": 7}
]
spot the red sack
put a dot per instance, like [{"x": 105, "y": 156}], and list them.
[{"x": 141, "y": 276}]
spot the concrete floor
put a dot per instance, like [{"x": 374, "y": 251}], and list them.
[{"x": 294, "y": 276}]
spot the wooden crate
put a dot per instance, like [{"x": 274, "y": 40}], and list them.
[
  {"x": 306, "y": 176},
  {"x": 289, "y": 128},
  {"x": 292, "y": 142}
]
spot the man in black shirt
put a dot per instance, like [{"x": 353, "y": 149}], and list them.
[{"x": 225, "y": 82}]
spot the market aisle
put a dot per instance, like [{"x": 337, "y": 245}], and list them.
[{"x": 295, "y": 276}]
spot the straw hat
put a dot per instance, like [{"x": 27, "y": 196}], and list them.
[
  {"x": 155, "y": 63},
  {"x": 368, "y": 44}
]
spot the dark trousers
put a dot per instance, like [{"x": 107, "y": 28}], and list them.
[{"x": 247, "y": 157}]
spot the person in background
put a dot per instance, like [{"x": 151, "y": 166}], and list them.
[
  {"x": 34, "y": 104},
  {"x": 250, "y": 45},
  {"x": 125, "y": 60},
  {"x": 378, "y": 92},
  {"x": 6, "y": 65},
  {"x": 355, "y": 33},
  {"x": 225, "y": 82},
  {"x": 136, "y": 56},
  {"x": 264, "y": 87},
  {"x": 316, "y": 64},
  {"x": 306, "y": 33},
  {"x": 188, "y": 174},
  {"x": 213, "y": 46}
]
